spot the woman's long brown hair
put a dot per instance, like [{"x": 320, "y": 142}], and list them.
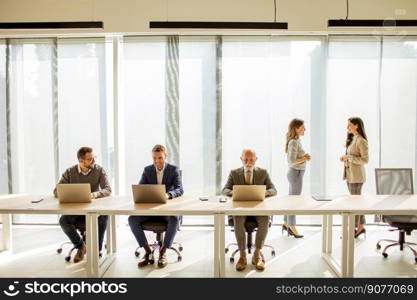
[
  {"x": 291, "y": 133},
  {"x": 361, "y": 130}
]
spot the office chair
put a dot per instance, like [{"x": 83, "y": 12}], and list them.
[
  {"x": 397, "y": 182},
  {"x": 159, "y": 227},
  {"x": 250, "y": 225},
  {"x": 81, "y": 228}
]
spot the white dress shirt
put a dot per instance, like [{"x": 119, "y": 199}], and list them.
[
  {"x": 81, "y": 172},
  {"x": 159, "y": 174}
]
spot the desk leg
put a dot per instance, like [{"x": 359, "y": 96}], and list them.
[
  {"x": 348, "y": 223},
  {"x": 113, "y": 233},
  {"x": 7, "y": 232},
  {"x": 108, "y": 244},
  {"x": 327, "y": 234},
  {"x": 222, "y": 253},
  {"x": 351, "y": 246},
  {"x": 219, "y": 252},
  {"x": 92, "y": 245}
]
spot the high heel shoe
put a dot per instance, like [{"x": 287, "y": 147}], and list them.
[
  {"x": 284, "y": 228},
  {"x": 290, "y": 232},
  {"x": 357, "y": 234}
]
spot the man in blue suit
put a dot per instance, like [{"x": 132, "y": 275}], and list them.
[{"x": 160, "y": 172}]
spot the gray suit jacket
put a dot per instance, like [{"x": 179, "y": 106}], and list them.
[{"x": 260, "y": 177}]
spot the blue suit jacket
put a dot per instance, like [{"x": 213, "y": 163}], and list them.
[{"x": 171, "y": 179}]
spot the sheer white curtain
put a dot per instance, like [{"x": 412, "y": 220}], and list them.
[
  {"x": 142, "y": 106},
  {"x": 31, "y": 120},
  {"x": 82, "y": 100},
  {"x": 266, "y": 83},
  {"x": 398, "y": 102},
  {"x": 31, "y": 116},
  {"x": 3, "y": 126},
  {"x": 352, "y": 90},
  {"x": 197, "y": 106}
]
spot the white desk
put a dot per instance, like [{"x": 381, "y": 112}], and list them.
[
  {"x": 347, "y": 206},
  {"x": 112, "y": 206},
  {"x": 292, "y": 205},
  {"x": 21, "y": 204},
  {"x": 181, "y": 206}
]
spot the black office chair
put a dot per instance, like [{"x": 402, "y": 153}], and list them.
[
  {"x": 250, "y": 225},
  {"x": 81, "y": 228},
  {"x": 159, "y": 227},
  {"x": 397, "y": 182}
]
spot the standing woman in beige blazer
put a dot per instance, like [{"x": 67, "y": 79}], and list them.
[{"x": 354, "y": 160}]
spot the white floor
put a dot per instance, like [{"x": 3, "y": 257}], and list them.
[{"x": 35, "y": 255}]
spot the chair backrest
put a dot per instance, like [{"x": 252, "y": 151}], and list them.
[{"x": 394, "y": 181}]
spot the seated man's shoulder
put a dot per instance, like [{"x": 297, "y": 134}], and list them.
[
  {"x": 73, "y": 168},
  {"x": 148, "y": 168},
  {"x": 260, "y": 170},
  {"x": 237, "y": 170}
]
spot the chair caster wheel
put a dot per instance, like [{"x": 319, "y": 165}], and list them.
[
  {"x": 385, "y": 255},
  {"x": 59, "y": 251},
  {"x": 68, "y": 258},
  {"x": 378, "y": 246},
  {"x": 179, "y": 258},
  {"x": 151, "y": 261},
  {"x": 180, "y": 249},
  {"x": 415, "y": 259},
  {"x": 226, "y": 250},
  {"x": 136, "y": 253},
  {"x": 232, "y": 260},
  {"x": 273, "y": 253}
]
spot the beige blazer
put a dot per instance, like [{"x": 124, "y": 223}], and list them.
[
  {"x": 357, "y": 153},
  {"x": 260, "y": 177}
]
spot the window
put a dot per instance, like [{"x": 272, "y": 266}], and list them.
[
  {"x": 197, "y": 105},
  {"x": 31, "y": 131},
  {"x": 398, "y": 103},
  {"x": 61, "y": 98},
  {"x": 352, "y": 90},
  {"x": 3, "y": 127},
  {"x": 82, "y": 101},
  {"x": 141, "y": 107}
]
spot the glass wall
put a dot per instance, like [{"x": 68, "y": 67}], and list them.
[
  {"x": 141, "y": 106},
  {"x": 234, "y": 92},
  {"x": 398, "y": 103},
  {"x": 82, "y": 100},
  {"x": 3, "y": 123},
  {"x": 352, "y": 90}
]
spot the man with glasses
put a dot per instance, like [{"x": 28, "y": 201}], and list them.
[{"x": 86, "y": 171}]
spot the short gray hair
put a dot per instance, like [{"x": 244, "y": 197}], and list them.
[{"x": 251, "y": 151}]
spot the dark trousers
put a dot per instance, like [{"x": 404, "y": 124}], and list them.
[
  {"x": 355, "y": 189},
  {"x": 68, "y": 222},
  {"x": 135, "y": 223}
]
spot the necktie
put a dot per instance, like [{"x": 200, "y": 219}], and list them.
[{"x": 247, "y": 177}]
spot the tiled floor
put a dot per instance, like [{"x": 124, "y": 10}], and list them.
[{"x": 35, "y": 255}]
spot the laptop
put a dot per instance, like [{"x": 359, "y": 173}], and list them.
[
  {"x": 74, "y": 192},
  {"x": 249, "y": 192},
  {"x": 149, "y": 193}
]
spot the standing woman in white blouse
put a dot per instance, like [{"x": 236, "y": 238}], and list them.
[
  {"x": 354, "y": 160},
  {"x": 297, "y": 159}
]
